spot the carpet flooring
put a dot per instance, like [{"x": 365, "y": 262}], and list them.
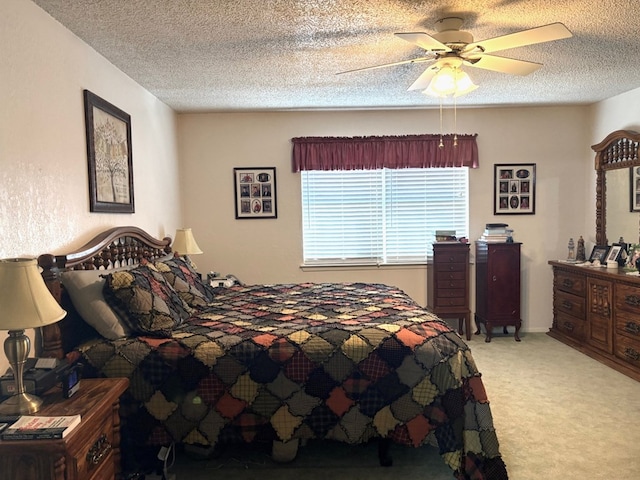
[{"x": 559, "y": 415}]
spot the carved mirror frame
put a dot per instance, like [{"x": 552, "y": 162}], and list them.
[{"x": 618, "y": 150}]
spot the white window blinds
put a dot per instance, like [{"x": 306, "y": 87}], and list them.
[{"x": 383, "y": 216}]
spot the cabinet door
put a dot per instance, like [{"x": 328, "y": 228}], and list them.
[
  {"x": 503, "y": 275},
  {"x": 599, "y": 314}
]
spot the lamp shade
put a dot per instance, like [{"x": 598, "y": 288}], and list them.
[
  {"x": 25, "y": 300},
  {"x": 184, "y": 243}
]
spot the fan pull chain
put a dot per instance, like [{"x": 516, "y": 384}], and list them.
[
  {"x": 455, "y": 122},
  {"x": 441, "y": 144}
]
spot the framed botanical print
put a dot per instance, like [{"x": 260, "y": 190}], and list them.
[
  {"x": 108, "y": 132},
  {"x": 255, "y": 192},
  {"x": 514, "y": 188}
]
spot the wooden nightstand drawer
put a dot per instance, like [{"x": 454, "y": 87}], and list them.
[
  {"x": 451, "y": 267},
  {"x": 95, "y": 459}
]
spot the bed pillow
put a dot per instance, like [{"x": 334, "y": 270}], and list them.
[
  {"x": 148, "y": 304},
  {"x": 85, "y": 290},
  {"x": 183, "y": 277}
]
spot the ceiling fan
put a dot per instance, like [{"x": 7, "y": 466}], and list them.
[{"x": 450, "y": 48}]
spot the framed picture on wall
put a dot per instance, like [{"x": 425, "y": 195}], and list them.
[
  {"x": 514, "y": 188},
  {"x": 255, "y": 192},
  {"x": 108, "y": 132},
  {"x": 634, "y": 180}
]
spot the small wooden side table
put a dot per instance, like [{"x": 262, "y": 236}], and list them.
[
  {"x": 90, "y": 452},
  {"x": 448, "y": 283}
]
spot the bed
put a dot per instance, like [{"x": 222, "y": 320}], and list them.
[{"x": 349, "y": 362}]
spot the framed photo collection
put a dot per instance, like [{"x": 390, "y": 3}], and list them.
[
  {"x": 255, "y": 192},
  {"x": 635, "y": 189},
  {"x": 514, "y": 188}
]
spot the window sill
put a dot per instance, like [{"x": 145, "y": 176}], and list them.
[{"x": 361, "y": 266}]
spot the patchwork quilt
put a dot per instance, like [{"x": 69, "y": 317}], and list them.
[{"x": 347, "y": 362}]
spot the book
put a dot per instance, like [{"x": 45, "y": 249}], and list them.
[{"x": 29, "y": 427}]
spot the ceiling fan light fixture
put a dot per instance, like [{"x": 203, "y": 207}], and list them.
[{"x": 450, "y": 81}]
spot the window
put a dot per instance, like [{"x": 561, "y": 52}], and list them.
[{"x": 380, "y": 216}]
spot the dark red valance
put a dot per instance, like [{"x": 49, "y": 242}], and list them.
[{"x": 371, "y": 153}]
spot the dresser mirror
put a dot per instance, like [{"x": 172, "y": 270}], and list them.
[{"x": 615, "y": 155}]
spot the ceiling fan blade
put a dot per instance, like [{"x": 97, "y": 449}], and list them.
[
  {"x": 404, "y": 62},
  {"x": 423, "y": 40},
  {"x": 546, "y": 33},
  {"x": 503, "y": 65},
  {"x": 422, "y": 82}
]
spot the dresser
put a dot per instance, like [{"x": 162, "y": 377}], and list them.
[
  {"x": 448, "y": 284},
  {"x": 90, "y": 452},
  {"x": 498, "y": 287},
  {"x": 597, "y": 311}
]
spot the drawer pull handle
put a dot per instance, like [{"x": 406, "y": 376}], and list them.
[
  {"x": 567, "y": 305},
  {"x": 632, "y": 300},
  {"x": 569, "y": 326},
  {"x": 567, "y": 283},
  {"x": 99, "y": 450},
  {"x": 631, "y": 353},
  {"x": 632, "y": 327}
]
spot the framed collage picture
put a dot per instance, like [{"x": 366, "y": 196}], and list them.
[
  {"x": 255, "y": 192},
  {"x": 514, "y": 188}
]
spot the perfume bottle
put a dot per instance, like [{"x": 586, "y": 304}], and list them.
[{"x": 571, "y": 255}]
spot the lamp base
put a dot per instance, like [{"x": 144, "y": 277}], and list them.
[{"x": 20, "y": 404}]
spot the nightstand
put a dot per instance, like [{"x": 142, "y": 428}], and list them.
[{"x": 90, "y": 452}]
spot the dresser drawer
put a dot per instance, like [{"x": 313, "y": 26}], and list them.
[
  {"x": 450, "y": 293},
  {"x": 571, "y": 304},
  {"x": 450, "y": 267},
  {"x": 570, "y": 283},
  {"x": 628, "y": 298},
  {"x": 628, "y": 349},
  {"x": 460, "y": 301},
  {"x": 450, "y": 283},
  {"x": 450, "y": 257},
  {"x": 628, "y": 324},
  {"x": 570, "y": 326},
  {"x": 444, "y": 277}
]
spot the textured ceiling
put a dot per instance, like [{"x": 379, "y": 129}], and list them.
[{"x": 234, "y": 55}]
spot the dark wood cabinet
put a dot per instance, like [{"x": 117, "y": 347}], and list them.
[
  {"x": 448, "y": 284},
  {"x": 597, "y": 311},
  {"x": 90, "y": 452},
  {"x": 498, "y": 287}
]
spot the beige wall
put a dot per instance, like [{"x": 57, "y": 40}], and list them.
[
  {"x": 44, "y": 199},
  {"x": 264, "y": 251}
]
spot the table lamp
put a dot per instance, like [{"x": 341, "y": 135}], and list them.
[
  {"x": 25, "y": 302},
  {"x": 184, "y": 243}
]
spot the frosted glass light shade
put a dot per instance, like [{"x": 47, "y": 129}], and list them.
[
  {"x": 184, "y": 243},
  {"x": 25, "y": 300},
  {"x": 450, "y": 81}
]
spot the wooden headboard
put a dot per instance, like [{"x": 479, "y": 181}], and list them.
[{"x": 113, "y": 248}]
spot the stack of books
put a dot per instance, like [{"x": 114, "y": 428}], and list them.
[
  {"x": 496, "y": 233},
  {"x": 39, "y": 428}
]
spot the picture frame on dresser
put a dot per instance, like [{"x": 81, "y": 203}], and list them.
[
  {"x": 255, "y": 192},
  {"x": 514, "y": 188},
  {"x": 614, "y": 253},
  {"x": 600, "y": 253},
  {"x": 109, "y": 157}
]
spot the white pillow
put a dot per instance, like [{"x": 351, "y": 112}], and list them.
[{"x": 85, "y": 289}]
